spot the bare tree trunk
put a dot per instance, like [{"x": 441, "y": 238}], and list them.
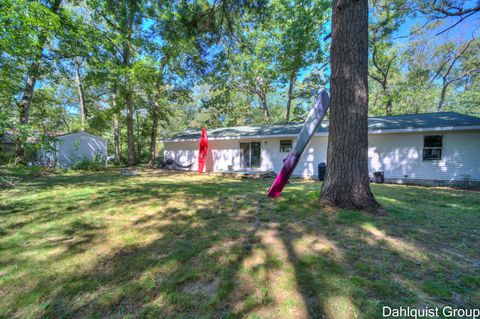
[
  {"x": 347, "y": 183},
  {"x": 116, "y": 138},
  {"x": 130, "y": 139},
  {"x": 83, "y": 107},
  {"x": 64, "y": 120},
  {"x": 266, "y": 112},
  {"x": 116, "y": 127},
  {"x": 389, "y": 106},
  {"x": 139, "y": 144},
  {"x": 289, "y": 101},
  {"x": 442, "y": 97},
  {"x": 153, "y": 136},
  {"x": 24, "y": 110},
  {"x": 129, "y": 107}
]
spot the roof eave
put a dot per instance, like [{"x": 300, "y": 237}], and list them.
[{"x": 379, "y": 131}]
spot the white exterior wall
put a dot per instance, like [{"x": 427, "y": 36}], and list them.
[
  {"x": 75, "y": 147},
  {"x": 398, "y": 155}
]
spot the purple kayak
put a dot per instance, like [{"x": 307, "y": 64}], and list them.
[{"x": 308, "y": 130}]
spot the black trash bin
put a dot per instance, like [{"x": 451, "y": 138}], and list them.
[
  {"x": 322, "y": 167},
  {"x": 378, "y": 177}
]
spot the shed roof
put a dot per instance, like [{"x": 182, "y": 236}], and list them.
[
  {"x": 441, "y": 121},
  {"x": 10, "y": 136}
]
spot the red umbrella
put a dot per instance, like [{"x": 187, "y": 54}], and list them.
[{"x": 202, "y": 152}]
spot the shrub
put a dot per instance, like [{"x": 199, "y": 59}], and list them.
[{"x": 97, "y": 163}]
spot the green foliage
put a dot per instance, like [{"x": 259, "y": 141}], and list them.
[
  {"x": 96, "y": 163},
  {"x": 196, "y": 64}
]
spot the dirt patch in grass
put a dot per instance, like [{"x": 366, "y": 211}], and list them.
[{"x": 203, "y": 287}]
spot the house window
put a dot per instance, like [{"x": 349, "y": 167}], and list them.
[
  {"x": 285, "y": 146},
  {"x": 432, "y": 147}
]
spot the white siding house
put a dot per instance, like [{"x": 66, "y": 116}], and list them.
[
  {"x": 75, "y": 147},
  {"x": 437, "y": 148}
]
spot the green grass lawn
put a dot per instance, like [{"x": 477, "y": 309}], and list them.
[{"x": 188, "y": 246}]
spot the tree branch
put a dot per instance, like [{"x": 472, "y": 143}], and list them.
[{"x": 456, "y": 23}]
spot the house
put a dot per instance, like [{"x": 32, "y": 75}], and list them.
[
  {"x": 433, "y": 148},
  {"x": 74, "y": 147}
]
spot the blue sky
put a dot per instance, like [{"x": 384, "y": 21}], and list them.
[{"x": 460, "y": 32}]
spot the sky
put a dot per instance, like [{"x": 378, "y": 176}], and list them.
[{"x": 460, "y": 32}]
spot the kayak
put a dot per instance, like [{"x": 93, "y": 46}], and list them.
[
  {"x": 202, "y": 151},
  {"x": 308, "y": 130}
]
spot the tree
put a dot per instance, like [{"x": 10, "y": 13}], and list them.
[
  {"x": 81, "y": 95},
  {"x": 435, "y": 10},
  {"x": 386, "y": 17},
  {"x": 251, "y": 68},
  {"x": 383, "y": 63},
  {"x": 150, "y": 76},
  {"x": 299, "y": 24},
  {"x": 450, "y": 68},
  {"x": 347, "y": 183},
  {"x": 416, "y": 93},
  {"x": 41, "y": 29},
  {"x": 80, "y": 50},
  {"x": 124, "y": 18}
]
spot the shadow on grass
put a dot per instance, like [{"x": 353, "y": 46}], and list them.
[{"x": 233, "y": 252}]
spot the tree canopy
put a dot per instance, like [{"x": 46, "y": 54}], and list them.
[{"x": 136, "y": 71}]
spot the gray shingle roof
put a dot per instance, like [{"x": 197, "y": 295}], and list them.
[{"x": 441, "y": 120}]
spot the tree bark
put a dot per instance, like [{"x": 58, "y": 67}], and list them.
[
  {"x": 347, "y": 183},
  {"x": 266, "y": 112},
  {"x": 389, "y": 106},
  {"x": 83, "y": 107},
  {"x": 116, "y": 138},
  {"x": 153, "y": 136},
  {"x": 442, "y": 97},
  {"x": 116, "y": 128},
  {"x": 289, "y": 101},
  {"x": 130, "y": 138},
  {"x": 24, "y": 111},
  {"x": 129, "y": 107},
  {"x": 139, "y": 144}
]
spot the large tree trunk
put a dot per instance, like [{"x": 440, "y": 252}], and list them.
[
  {"x": 83, "y": 107},
  {"x": 290, "y": 91},
  {"x": 346, "y": 183},
  {"x": 153, "y": 136}
]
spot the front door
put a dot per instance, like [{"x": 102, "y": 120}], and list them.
[{"x": 250, "y": 155}]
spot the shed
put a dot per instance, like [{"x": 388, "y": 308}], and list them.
[{"x": 74, "y": 147}]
